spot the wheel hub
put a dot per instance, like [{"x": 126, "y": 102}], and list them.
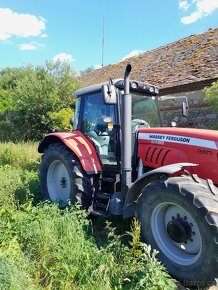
[
  {"x": 179, "y": 230},
  {"x": 176, "y": 233},
  {"x": 58, "y": 181},
  {"x": 63, "y": 182}
]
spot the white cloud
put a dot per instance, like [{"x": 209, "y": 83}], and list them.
[
  {"x": 63, "y": 57},
  {"x": 44, "y": 35},
  {"x": 30, "y": 46},
  {"x": 183, "y": 4},
  {"x": 20, "y": 25},
  {"x": 207, "y": 6},
  {"x": 97, "y": 66},
  {"x": 25, "y": 46},
  {"x": 202, "y": 8},
  {"x": 191, "y": 18},
  {"x": 132, "y": 53}
]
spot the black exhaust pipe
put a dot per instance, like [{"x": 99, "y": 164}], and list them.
[{"x": 126, "y": 147}]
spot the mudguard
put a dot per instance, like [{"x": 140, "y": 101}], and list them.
[
  {"x": 80, "y": 145},
  {"x": 146, "y": 178}
]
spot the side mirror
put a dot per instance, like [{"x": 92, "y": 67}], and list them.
[
  {"x": 185, "y": 109},
  {"x": 71, "y": 121},
  {"x": 109, "y": 93}
]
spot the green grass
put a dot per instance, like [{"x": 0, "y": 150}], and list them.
[
  {"x": 44, "y": 247},
  {"x": 20, "y": 155}
]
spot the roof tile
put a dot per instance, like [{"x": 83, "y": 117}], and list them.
[{"x": 191, "y": 59}]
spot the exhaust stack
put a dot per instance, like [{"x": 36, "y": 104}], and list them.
[{"x": 126, "y": 114}]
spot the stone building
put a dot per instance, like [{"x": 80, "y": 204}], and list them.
[{"x": 180, "y": 69}]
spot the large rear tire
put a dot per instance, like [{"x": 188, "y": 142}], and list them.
[
  {"x": 179, "y": 218},
  {"x": 62, "y": 177}
]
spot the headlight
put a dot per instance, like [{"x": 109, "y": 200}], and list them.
[
  {"x": 156, "y": 90},
  {"x": 151, "y": 89},
  {"x": 134, "y": 85}
]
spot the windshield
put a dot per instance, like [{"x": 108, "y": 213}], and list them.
[{"x": 145, "y": 109}]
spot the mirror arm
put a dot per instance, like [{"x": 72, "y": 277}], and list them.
[{"x": 110, "y": 83}]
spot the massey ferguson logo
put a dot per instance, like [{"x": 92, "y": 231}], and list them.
[
  {"x": 191, "y": 141},
  {"x": 169, "y": 138}
]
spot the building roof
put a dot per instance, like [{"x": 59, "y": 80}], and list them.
[{"x": 191, "y": 61}]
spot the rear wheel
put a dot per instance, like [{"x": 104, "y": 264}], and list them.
[
  {"x": 62, "y": 177},
  {"x": 179, "y": 218}
]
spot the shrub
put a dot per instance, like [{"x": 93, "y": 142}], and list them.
[
  {"x": 61, "y": 119},
  {"x": 211, "y": 98}
]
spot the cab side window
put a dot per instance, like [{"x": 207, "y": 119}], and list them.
[
  {"x": 97, "y": 123},
  {"x": 76, "y": 115}
]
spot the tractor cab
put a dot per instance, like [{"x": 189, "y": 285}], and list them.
[{"x": 98, "y": 116}]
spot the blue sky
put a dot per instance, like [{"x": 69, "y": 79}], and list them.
[{"x": 33, "y": 31}]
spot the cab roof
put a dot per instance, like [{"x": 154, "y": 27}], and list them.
[
  {"x": 140, "y": 87},
  {"x": 92, "y": 88}
]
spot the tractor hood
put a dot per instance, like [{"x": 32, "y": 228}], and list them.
[
  {"x": 163, "y": 146},
  {"x": 196, "y": 137}
]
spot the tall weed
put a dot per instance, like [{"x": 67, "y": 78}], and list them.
[
  {"x": 21, "y": 155},
  {"x": 63, "y": 255},
  {"x": 14, "y": 269},
  {"x": 44, "y": 247},
  {"x": 17, "y": 186}
]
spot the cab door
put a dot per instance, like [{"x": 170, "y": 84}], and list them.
[{"x": 99, "y": 123}]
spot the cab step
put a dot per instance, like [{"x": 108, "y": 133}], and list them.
[
  {"x": 100, "y": 213},
  {"x": 100, "y": 204}
]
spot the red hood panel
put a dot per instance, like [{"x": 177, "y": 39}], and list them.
[
  {"x": 187, "y": 132},
  {"x": 162, "y": 146}
]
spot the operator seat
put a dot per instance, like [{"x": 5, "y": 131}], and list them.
[{"x": 100, "y": 136}]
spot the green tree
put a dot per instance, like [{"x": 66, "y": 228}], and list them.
[
  {"x": 211, "y": 98},
  {"x": 31, "y": 99},
  {"x": 87, "y": 70},
  {"x": 65, "y": 79},
  {"x": 8, "y": 79}
]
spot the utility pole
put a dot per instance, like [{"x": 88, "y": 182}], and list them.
[{"x": 102, "y": 56}]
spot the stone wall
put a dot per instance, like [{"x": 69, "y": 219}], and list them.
[{"x": 199, "y": 114}]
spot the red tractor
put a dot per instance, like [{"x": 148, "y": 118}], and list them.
[{"x": 119, "y": 161}]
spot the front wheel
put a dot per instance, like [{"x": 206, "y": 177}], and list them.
[
  {"x": 179, "y": 218},
  {"x": 62, "y": 177}
]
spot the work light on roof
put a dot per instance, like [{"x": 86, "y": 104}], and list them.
[
  {"x": 134, "y": 85},
  {"x": 151, "y": 89}
]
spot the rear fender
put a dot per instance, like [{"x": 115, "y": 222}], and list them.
[
  {"x": 80, "y": 145},
  {"x": 136, "y": 188}
]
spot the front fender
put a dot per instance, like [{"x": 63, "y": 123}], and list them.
[
  {"x": 80, "y": 145},
  {"x": 136, "y": 188}
]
